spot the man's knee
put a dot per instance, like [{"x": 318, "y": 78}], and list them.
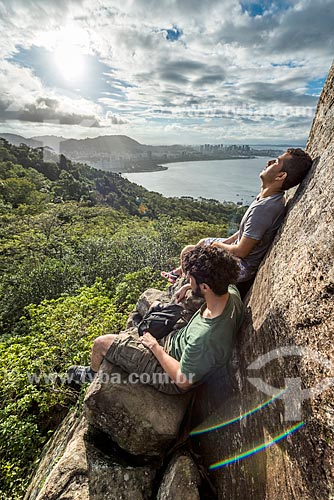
[{"x": 101, "y": 344}]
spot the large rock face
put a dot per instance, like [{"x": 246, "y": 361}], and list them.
[
  {"x": 290, "y": 312},
  {"x": 322, "y": 131},
  {"x": 73, "y": 468}
]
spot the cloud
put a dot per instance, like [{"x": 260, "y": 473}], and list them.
[
  {"x": 45, "y": 109},
  {"x": 173, "y": 76},
  {"x": 23, "y": 97},
  {"x": 272, "y": 93},
  {"x": 209, "y": 79},
  {"x": 24, "y": 20},
  {"x": 188, "y": 59},
  {"x": 115, "y": 120},
  {"x": 308, "y": 26}
]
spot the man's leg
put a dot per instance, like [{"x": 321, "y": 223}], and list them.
[
  {"x": 82, "y": 374},
  {"x": 139, "y": 362},
  {"x": 100, "y": 348},
  {"x": 204, "y": 242},
  {"x": 132, "y": 356},
  {"x": 179, "y": 270},
  {"x": 176, "y": 273}
]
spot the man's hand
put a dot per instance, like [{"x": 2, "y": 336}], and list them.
[
  {"x": 168, "y": 363},
  {"x": 149, "y": 341},
  {"x": 181, "y": 293}
]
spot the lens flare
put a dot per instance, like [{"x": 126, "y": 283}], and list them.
[
  {"x": 256, "y": 449},
  {"x": 237, "y": 419}
]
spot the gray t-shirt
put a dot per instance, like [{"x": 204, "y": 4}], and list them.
[{"x": 261, "y": 221}]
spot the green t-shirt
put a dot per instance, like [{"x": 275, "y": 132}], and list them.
[{"x": 206, "y": 344}]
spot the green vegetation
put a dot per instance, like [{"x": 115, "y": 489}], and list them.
[
  {"x": 33, "y": 176},
  {"x": 77, "y": 248}
]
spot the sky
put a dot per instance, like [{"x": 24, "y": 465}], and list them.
[{"x": 164, "y": 71}]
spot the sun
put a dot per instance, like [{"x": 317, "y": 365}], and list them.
[{"x": 69, "y": 61}]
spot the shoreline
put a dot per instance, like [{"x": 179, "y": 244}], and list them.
[
  {"x": 163, "y": 166},
  {"x": 160, "y": 166},
  {"x": 210, "y": 159}
]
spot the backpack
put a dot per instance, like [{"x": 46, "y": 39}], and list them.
[{"x": 160, "y": 321}]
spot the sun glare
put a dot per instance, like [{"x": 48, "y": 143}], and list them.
[
  {"x": 69, "y": 61},
  {"x": 69, "y": 46}
]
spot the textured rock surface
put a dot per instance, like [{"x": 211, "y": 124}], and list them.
[
  {"x": 51, "y": 454},
  {"x": 181, "y": 480},
  {"x": 148, "y": 297},
  {"x": 139, "y": 418},
  {"x": 291, "y": 304},
  {"x": 79, "y": 471}
]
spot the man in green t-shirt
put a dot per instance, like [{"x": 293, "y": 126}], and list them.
[{"x": 183, "y": 358}]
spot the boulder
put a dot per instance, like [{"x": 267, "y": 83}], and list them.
[
  {"x": 181, "y": 479},
  {"x": 285, "y": 343},
  {"x": 142, "y": 420},
  {"x": 322, "y": 131},
  {"x": 51, "y": 454},
  {"x": 73, "y": 468},
  {"x": 147, "y": 298}
]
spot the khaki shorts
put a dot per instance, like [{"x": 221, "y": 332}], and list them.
[{"x": 133, "y": 357}]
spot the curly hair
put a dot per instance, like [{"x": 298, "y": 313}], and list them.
[
  {"x": 211, "y": 265},
  {"x": 296, "y": 167}
]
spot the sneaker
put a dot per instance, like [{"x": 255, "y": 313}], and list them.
[
  {"x": 80, "y": 374},
  {"x": 170, "y": 276}
]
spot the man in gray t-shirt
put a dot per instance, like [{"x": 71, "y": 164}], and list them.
[
  {"x": 256, "y": 232},
  {"x": 260, "y": 223},
  {"x": 262, "y": 219}
]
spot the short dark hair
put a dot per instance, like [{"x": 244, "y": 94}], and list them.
[
  {"x": 296, "y": 167},
  {"x": 211, "y": 265}
]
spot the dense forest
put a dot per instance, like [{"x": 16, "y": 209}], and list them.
[{"x": 78, "y": 246}]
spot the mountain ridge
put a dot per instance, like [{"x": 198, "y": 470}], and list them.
[{"x": 49, "y": 140}]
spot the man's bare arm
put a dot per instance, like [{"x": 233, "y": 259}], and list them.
[
  {"x": 168, "y": 363},
  {"x": 232, "y": 238},
  {"x": 241, "y": 249},
  {"x": 181, "y": 292}
]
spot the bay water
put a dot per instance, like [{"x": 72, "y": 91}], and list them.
[{"x": 234, "y": 180}]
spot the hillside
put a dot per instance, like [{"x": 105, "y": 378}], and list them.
[
  {"x": 104, "y": 144},
  {"x": 119, "y": 153},
  {"x": 82, "y": 243},
  {"x": 16, "y": 140},
  {"x": 41, "y": 175}
]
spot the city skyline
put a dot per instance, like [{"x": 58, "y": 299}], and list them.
[{"x": 186, "y": 72}]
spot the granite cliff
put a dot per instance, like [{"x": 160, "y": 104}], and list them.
[
  {"x": 290, "y": 315},
  {"x": 284, "y": 357}
]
